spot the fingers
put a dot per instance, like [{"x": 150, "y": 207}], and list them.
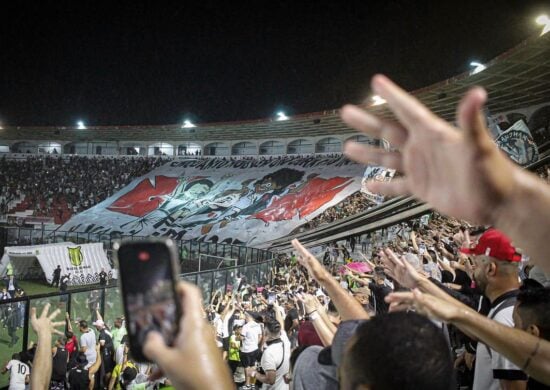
[
  {"x": 372, "y": 155},
  {"x": 45, "y": 310},
  {"x": 392, "y": 188},
  {"x": 400, "y": 301},
  {"x": 360, "y": 120},
  {"x": 471, "y": 119},
  {"x": 393, "y": 257},
  {"x": 58, "y": 332},
  {"x": 301, "y": 249},
  {"x": 33, "y": 313},
  {"x": 191, "y": 301},
  {"x": 54, "y": 314},
  {"x": 399, "y": 306},
  {"x": 156, "y": 349},
  {"x": 408, "y": 110}
]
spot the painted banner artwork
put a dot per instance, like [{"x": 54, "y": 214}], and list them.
[
  {"x": 518, "y": 143},
  {"x": 375, "y": 173},
  {"x": 223, "y": 200}
]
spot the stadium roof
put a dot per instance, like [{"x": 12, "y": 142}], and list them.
[{"x": 518, "y": 78}]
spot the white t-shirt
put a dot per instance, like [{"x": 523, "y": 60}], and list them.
[
  {"x": 119, "y": 354},
  {"x": 18, "y": 373},
  {"x": 218, "y": 325},
  {"x": 252, "y": 331},
  {"x": 88, "y": 340},
  {"x": 225, "y": 327},
  {"x": 492, "y": 365},
  {"x": 272, "y": 357}
]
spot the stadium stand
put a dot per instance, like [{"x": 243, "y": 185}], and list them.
[{"x": 373, "y": 256}]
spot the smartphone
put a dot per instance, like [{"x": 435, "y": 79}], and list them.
[
  {"x": 271, "y": 298},
  {"x": 148, "y": 276}
]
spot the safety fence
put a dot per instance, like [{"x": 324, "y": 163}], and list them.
[
  {"x": 16, "y": 332},
  {"x": 190, "y": 251}
]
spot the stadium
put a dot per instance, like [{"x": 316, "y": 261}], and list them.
[{"x": 232, "y": 196}]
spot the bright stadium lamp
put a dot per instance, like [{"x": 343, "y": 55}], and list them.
[
  {"x": 544, "y": 21},
  {"x": 187, "y": 124},
  {"x": 281, "y": 116},
  {"x": 377, "y": 100},
  {"x": 478, "y": 67},
  {"x": 81, "y": 125}
]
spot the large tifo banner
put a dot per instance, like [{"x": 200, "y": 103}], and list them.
[
  {"x": 82, "y": 262},
  {"x": 230, "y": 201}
]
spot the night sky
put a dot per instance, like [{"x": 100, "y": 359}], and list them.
[{"x": 129, "y": 63}]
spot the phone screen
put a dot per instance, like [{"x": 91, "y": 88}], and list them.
[
  {"x": 148, "y": 272},
  {"x": 271, "y": 298}
]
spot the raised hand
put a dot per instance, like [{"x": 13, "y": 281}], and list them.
[
  {"x": 306, "y": 259},
  {"x": 45, "y": 324},
  {"x": 425, "y": 304},
  {"x": 458, "y": 171},
  {"x": 400, "y": 269},
  {"x": 310, "y": 302}
]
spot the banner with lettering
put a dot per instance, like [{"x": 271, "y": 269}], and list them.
[
  {"x": 224, "y": 200},
  {"x": 81, "y": 263}
]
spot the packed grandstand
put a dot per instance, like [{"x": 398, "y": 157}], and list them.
[{"x": 274, "y": 312}]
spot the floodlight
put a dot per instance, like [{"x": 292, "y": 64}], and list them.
[
  {"x": 281, "y": 116},
  {"x": 478, "y": 67},
  {"x": 377, "y": 100},
  {"x": 81, "y": 125},
  {"x": 187, "y": 124},
  {"x": 544, "y": 21}
]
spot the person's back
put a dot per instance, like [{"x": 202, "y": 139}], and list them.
[
  {"x": 19, "y": 373},
  {"x": 251, "y": 336},
  {"x": 79, "y": 378},
  {"x": 59, "y": 364},
  {"x": 88, "y": 342}
]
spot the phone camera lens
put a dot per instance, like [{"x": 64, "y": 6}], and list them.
[{"x": 144, "y": 256}]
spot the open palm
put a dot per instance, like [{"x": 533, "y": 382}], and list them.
[{"x": 456, "y": 170}]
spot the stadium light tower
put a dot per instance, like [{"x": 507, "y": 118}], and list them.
[
  {"x": 377, "y": 100},
  {"x": 544, "y": 21},
  {"x": 81, "y": 125},
  {"x": 478, "y": 67},
  {"x": 281, "y": 116},
  {"x": 187, "y": 124}
]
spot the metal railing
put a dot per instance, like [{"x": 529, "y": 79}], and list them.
[
  {"x": 189, "y": 250},
  {"x": 82, "y": 303}
]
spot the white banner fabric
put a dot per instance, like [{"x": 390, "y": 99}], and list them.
[
  {"x": 83, "y": 262},
  {"x": 223, "y": 200}
]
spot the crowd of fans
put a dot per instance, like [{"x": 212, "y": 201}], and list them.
[
  {"x": 292, "y": 331},
  {"x": 353, "y": 204},
  {"x": 60, "y": 187},
  {"x": 436, "y": 305}
]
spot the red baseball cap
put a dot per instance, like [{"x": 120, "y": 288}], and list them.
[{"x": 496, "y": 244}]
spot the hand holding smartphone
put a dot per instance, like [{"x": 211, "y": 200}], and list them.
[{"x": 148, "y": 274}]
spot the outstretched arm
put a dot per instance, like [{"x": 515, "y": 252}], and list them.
[
  {"x": 68, "y": 322},
  {"x": 348, "y": 307},
  {"x": 438, "y": 161},
  {"x": 529, "y": 353},
  {"x": 44, "y": 326}
]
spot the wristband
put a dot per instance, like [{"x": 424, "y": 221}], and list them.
[
  {"x": 311, "y": 312},
  {"x": 314, "y": 315}
]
